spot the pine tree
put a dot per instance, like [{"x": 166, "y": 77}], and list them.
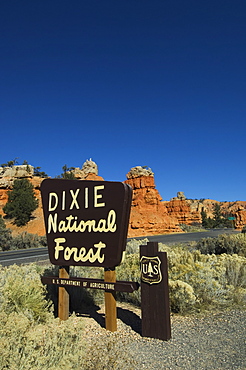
[
  {"x": 204, "y": 219},
  {"x": 217, "y": 216},
  {"x": 21, "y": 202},
  {"x": 67, "y": 173}
]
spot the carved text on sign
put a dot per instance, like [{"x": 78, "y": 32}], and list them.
[
  {"x": 71, "y": 223},
  {"x": 119, "y": 286},
  {"x": 81, "y": 254}
]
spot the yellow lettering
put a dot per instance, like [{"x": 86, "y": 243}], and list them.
[
  {"x": 62, "y": 226},
  {"x": 71, "y": 223},
  {"x": 55, "y": 197},
  {"x": 101, "y": 225},
  {"x": 91, "y": 225},
  {"x": 81, "y": 226},
  {"x": 63, "y": 200},
  {"x": 111, "y": 221},
  {"x": 79, "y": 254},
  {"x": 110, "y": 286},
  {"x": 58, "y": 247},
  {"x": 68, "y": 252},
  {"x": 86, "y": 198},
  {"x": 52, "y": 223},
  {"x": 74, "y": 196},
  {"x": 98, "y": 196},
  {"x": 99, "y": 247},
  {"x": 82, "y": 254}
]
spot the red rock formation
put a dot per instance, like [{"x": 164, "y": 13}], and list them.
[
  {"x": 240, "y": 218},
  {"x": 3, "y": 199},
  {"x": 181, "y": 210},
  {"x": 93, "y": 177},
  {"x": 149, "y": 214}
]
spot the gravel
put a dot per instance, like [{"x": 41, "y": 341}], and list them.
[{"x": 202, "y": 341}]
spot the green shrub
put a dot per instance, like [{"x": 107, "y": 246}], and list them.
[
  {"x": 53, "y": 345},
  {"x": 21, "y": 202},
  {"x": 21, "y": 291},
  {"x": 211, "y": 277},
  {"x": 225, "y": 243},
  {"x": 129, "y": 270},
  {"x": 133, "y": 245},
  {"x": 22, "y": 241},
  {"x": 26, "y": 240},
  {"x": 191, "y": 228},
  {"x": 235, "y": 269},
  {"x": 30, "y": 337},
  {"x": 182, "y": 296},
  {"x": 6, "y": 239},
  {"x": 218, "y": 220},
  {"x": 57, "y": 344}
]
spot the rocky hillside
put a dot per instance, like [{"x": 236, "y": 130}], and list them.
[{"x": 149, "y": 213}]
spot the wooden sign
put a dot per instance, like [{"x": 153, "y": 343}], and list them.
[
  {"x": 86, "y": 221},
  {"x": 154, "y": 292},
  {"x": 118, "y": 286}
]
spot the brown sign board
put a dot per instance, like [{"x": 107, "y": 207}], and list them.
[
  {"x": 118, "y": 286},
  {"x": 86, "y": 221}
]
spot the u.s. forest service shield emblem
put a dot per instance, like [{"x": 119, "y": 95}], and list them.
[{"x": 150, "y": 270}]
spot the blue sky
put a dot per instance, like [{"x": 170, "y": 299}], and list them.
[{"x": 157, "y": 83}]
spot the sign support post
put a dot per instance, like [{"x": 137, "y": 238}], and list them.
[
  {"x": 110, "y": 301},
  {"x": 63, "y": 295},
  {"x": 154, "y": 292}
]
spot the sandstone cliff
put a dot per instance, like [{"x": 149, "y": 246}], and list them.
[
  {"x": 149, "y": 215},
  {"x": 182, "y": 211},
  {"x": 240, "y": 217}
]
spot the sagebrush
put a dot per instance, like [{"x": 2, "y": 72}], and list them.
[
  {"x": 31, "y": 338},
  {"x": 24, "y": 240}
]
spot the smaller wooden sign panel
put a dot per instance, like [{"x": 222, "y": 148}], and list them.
[
  {"x": 118, "y": 286},
  {"x": 154, "y": 292}
]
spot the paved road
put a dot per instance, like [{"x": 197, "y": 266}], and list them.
[
  {"x": 41, "y": 254},
  {"x": 23, "y": 256},
  {"x": 187, "y": 237}
]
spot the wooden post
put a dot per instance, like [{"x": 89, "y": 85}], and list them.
[
  {"x": 154, "y": 292},
  {"x": 63, "y": 296},
  {"x": 110, "y": 302}
]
